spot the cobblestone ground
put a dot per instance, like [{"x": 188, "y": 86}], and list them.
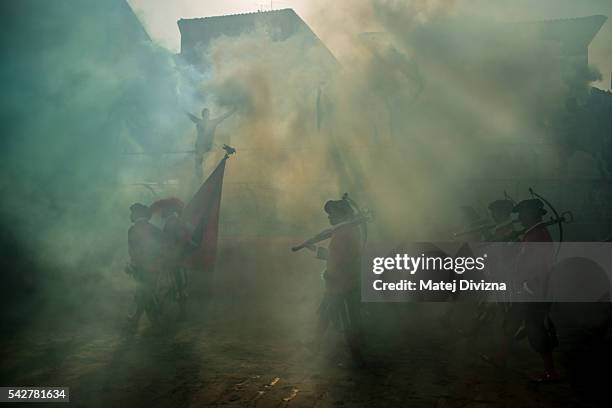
[{"x": 250, "y": 362}]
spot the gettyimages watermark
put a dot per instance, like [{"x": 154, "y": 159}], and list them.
[{"x": 481, "y": 271}]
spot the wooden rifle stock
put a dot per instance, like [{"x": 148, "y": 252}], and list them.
[
  {"x": 326, "y": 234},
  {"x": 322, "y": 236}
]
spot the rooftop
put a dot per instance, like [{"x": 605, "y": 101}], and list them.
[
  {"x": 281, "y": 24},
  {"x": 578, "y": 32}
]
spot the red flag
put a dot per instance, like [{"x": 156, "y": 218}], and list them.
[{"x": 202, "y": 212}]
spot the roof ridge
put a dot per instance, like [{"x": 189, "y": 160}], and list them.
[
  {"x": 241, "y": 14},
  {"x": 553, "y": 20}
]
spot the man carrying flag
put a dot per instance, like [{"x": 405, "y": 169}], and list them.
[
  {"x": 188, "y": 242},
  {"x": 144, "y": 243},
  {"x": 177, "y": 243}
]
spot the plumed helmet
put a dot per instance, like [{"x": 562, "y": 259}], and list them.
[
  {"x": 168, "y": 206},
  {"x": 533, "y": 204},
  {"x": 140, "y": 210},
  {"x": 341, "y": 207}
]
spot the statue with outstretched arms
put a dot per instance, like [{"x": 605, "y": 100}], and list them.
[{"x": 206, "y": 128}]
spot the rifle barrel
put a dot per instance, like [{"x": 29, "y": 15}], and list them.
[{"x": 326, "y": 234}]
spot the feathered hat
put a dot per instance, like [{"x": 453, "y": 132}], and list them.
[{"x": 167, "y": 205}]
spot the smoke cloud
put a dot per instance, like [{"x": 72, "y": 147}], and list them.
[{"x": 424, "y": 110}]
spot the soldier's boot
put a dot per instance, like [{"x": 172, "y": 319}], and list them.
[
  {"x": 550, "y": 373},
  {"x": 355, "y": 346},
  {"x": 134, "y": 319},
  {"x": 153, "y": 311},
  {"x": 182, "y": 302},
  {"x": 315, "y": 344}
]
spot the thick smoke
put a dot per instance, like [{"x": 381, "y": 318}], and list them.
[
  {"x": 422, "y": 111},
  {"x": 415, "y": 111},
  {"x": 85, "y": 92}
]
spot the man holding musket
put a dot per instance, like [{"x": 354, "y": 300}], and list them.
[{"x": 342, "y": 299}]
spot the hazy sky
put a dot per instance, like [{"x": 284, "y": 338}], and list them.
[{"x": 160, "y": 16}]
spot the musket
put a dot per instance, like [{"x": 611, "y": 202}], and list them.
[
  {"x": 326, "y": 234},
  {"x": 566, "y": 217},
  {"x": 482, "y": 228},
  {"x": 474, "y": 230}
]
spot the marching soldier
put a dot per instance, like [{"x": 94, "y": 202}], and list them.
[
  {"x": 341, "y": 302},
  {"x": 144, "y": 244},
  {"x": 538, "y": 326},
  {"x": 535, "y": 265},
  {"x": 176, "y": 242},
  {"x": 501, "y": 231}
]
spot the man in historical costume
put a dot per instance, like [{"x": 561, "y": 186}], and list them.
[
  {"x": 501, "y": 231},
  {"x": 144, "y": 245},
  {"x": 205, "y": 127},
  {"x": 176, "y": 243},
  {"x": 342, "y": 299},
  {"x": 534, "y": 264}
]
